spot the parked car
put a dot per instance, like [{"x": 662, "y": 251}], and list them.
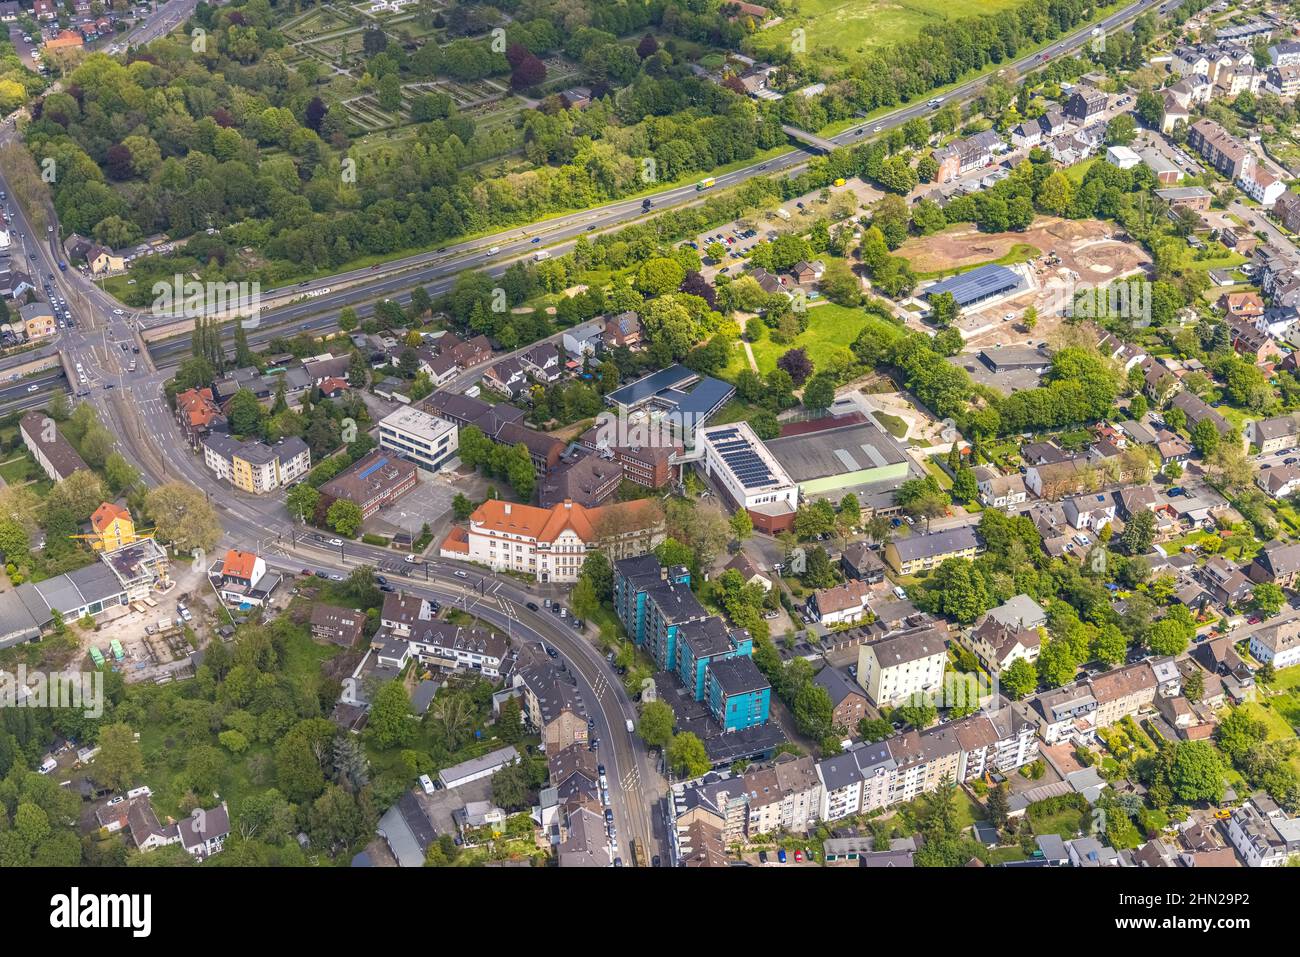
[{"x": 780, "y": 855}]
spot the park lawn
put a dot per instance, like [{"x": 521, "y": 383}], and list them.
[{"x": 831, "y": 329}]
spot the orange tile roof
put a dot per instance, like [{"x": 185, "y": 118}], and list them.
[
  {"x": 198, "y": 405},
  {"x": 548, "y": 524},
  {"x": 105, "y": 515},
  {"x": 239, "y": 564},
  {"x": 456, "y": 541}
]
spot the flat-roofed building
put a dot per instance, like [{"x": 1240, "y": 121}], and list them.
[
  {"x": 749, "y": 475},
  {"x": 427, "y": 440}
]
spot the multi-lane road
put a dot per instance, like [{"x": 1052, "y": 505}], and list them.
[{"x": 492, "y": 254}]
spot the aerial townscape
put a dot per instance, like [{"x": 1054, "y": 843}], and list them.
[{"x": 685, "y": 434}]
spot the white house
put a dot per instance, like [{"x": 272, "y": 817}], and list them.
[
  {"x": 1262, "y": 833},
  {"x": 1277, "y": 645},
  {"x": 894, "y": 669}
]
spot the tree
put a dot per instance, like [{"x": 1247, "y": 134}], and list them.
[
  {"x": 461, "y": 507},
  {"x": 819, "y": 393},
  {"x": 120, "y": 762},
  {"x": 1139, "y": 533},
  {"x": 814, "y": 713},
  {"x": 796, "y": 364},
  {"x": 1057, "y": 663},
  {"x": 344, "y": 517},
  {"x": 1167, "y": 637},
  {"x": 943, "y": 309},
  {"x": 686, "y": 756},
  {"x": 182, "y": 516},
  {"x": 1268, "y": 599},
  {"x": 965, "y": 488},
  {"x": 390, "y": 724},
  {"x": 742, "y": 526},
  {"x": 1196, "y": 772},
  {"x": 1019, "y": 679},
  {"x": 1205, "y": 437},
  {"x": 529, "y": 72},
  {"x": 301, "y": 501},
  {"x": 656, "y": 724},
  {"x": 1194, "y": 685},
  {"x": 1122, "y": 130}
]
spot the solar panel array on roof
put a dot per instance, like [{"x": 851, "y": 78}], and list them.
[
  {"x": 743, "y": 461},
  {"x": 977, "y": 284},
  {"x": 379, "y": 464}
]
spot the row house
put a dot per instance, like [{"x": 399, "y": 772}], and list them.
[{"x": 871, "y": 776}]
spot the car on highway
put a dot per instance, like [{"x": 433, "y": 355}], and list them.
[
  {"x": 412, "y": 559},
  {"x": 322, "y": 575},
  {"x": 33, "y": 388},
  {"x": 381, "y": 579},
  {"x": 107, "y": 386},
  {"x": 532, "y": 606},
  {"x": 386, "y": 588},
  {"x": 877, "y": 128},
  {"x": 535, "y": 239},
  {"x": 590, "y": 228},
  {"x": 336, "y": 542},
  {"x": 551, "y": 652},
  {"x": 118, "y": 312},
  {"x": 461, "y": 575}
]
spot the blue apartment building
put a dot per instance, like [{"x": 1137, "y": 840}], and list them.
[
  {"x": 738, "y": 695},
  {"x": 700, "y": 643},
  {"x": 633, "y": 579}
]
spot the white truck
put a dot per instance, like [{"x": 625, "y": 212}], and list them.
[{"x": 541, "y": 254}]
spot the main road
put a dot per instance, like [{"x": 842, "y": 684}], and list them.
[{"x": 438, "y": 269}]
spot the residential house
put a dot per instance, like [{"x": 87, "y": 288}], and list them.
[
  {"x": 1263, "y": 834},
  {"x": 925, "y": 551},
  {"x": 998, "y": 490},
  {"x": 339, "y": 626},
  {"x": 862, "y": 562},
  {"x": 1280, "y": 481},
  {"x": 1090, "y": 512},
  {"x": 1277, "y": 563},
  {"x": 893, "y": 669},
  {"x": 843, "y": 604},
  {"x": 848, "y": 703},
  {"x": 1277, "y": 644}
]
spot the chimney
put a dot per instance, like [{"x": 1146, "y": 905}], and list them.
[
  {"x": 507, "y": 508},
  {"x": 568, "y": 503}
]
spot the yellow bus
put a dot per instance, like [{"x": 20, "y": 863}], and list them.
[{"x": 705, "y": 183}]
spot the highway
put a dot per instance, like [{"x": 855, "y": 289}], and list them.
[
  {"x": 132, "y": 407},
  {"x": 438, "y": 269}
]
